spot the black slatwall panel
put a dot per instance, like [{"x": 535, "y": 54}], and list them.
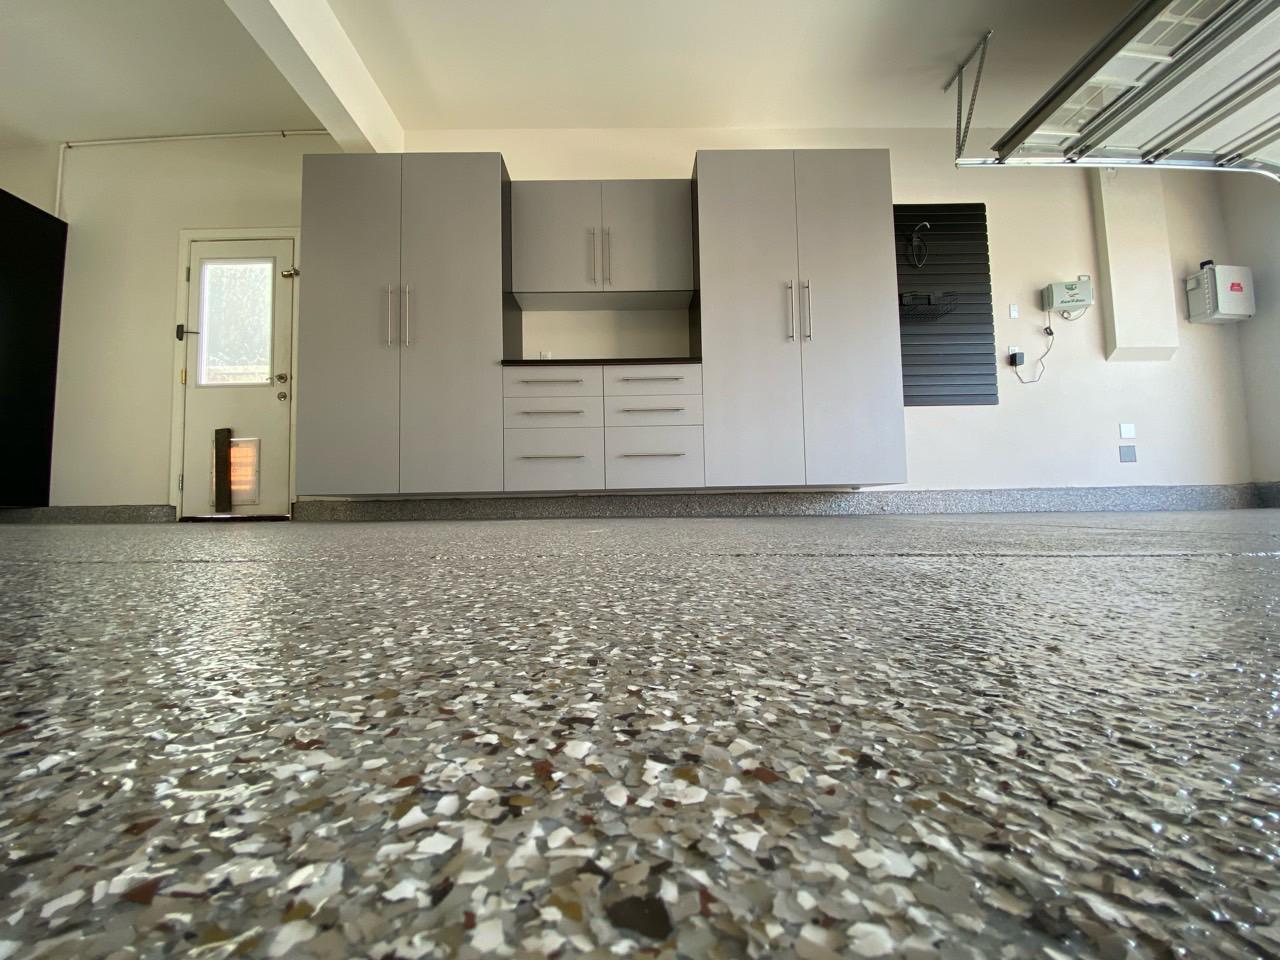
[{"x": 950, "y": 361}]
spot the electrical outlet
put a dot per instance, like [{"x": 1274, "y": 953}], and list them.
[
  {"x": 1013, "y": 350},
  {"x": 1128, "y": 453},
  {"x": 1013, "y": 311},
  {"x": 1128, "y": 431}
]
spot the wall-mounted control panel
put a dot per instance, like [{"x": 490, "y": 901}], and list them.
[{"x": 1069, "y": 295}]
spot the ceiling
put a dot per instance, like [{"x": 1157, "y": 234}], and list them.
[
  {"x": 711, "y": 63},
  {"x": 89, "y": 69}
]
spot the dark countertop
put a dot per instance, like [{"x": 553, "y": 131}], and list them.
[{"x": 608, "y": 361}]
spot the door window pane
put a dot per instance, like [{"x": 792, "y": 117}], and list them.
[{"x": 235, "y": 321}]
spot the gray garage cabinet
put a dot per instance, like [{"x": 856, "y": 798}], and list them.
[
  {"x": 399, "y": 390},
  {"x": 802, "y": 369},
  {"x": 601, "y": 236}
]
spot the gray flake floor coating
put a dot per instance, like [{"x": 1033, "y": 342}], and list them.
[{"x": 1027, "y": 736}]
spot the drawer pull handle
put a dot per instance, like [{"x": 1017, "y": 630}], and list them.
[
  {"x": 653, "y": 454},
  {"x": 554, "y": 456},
  {"x": 553, "y": 413},
  {"x": 654, "y": 409},
  {"x": 644, "y": 379},
  {"x": 549, "y": 380}
]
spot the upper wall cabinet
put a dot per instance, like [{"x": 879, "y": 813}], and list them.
[{"x": 588, "y": 236}]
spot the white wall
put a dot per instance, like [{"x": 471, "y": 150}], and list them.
[
  {"x": 1063, "y": 431},
  {"x": 1251, "y": 208},
  {"x": 126, "y": 205},
  {"x": 568, "y": 334},
  {"x": 30, "y": 170}
]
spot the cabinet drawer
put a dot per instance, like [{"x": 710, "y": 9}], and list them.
[
  {"x": 652, "y": 379},
  {"x": 557, "y": 458},
  {"x": 525, "y": 412},
  {"x": 653, "y": 411},
  {"x": 565, "y": 381},
  {"x": 640, "y": 457}
]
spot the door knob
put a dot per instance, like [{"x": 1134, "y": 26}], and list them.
[
  {"x": 282, "y": 377},
  {"x": 282, "y": 395}
]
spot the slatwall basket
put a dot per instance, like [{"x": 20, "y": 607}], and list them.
[{"x": 924, "y": 307}]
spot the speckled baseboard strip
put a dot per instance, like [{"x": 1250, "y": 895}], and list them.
[
  {"x": 1268, "y": 494},
  {"x": 788, "y": 504},
  {"x": 119, "y": 513}
]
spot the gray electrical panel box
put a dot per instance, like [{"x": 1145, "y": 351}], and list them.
[{"x": 1220, "y": 294}]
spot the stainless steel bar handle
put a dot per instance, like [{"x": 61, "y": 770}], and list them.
[
  {"x": 791, "y": 312},
  {"x": 550, "y": 413},
  {"x": 653, "y": 454},
  {"x": 642, "y": 379},
  {"x": 608, "y": 258},
  {"x": 405, "y": 319},
  {"x": 593, "y": 256},
  {"x": 808, "y": 310},
  {"x": 654, "y": 409},
  {"x": 554, "y": 456},
  {"x": 388, "y": 314},
  {"x": 549, "y": 380}
]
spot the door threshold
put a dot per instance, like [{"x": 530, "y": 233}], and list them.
[{"x": 232, "y": 517}]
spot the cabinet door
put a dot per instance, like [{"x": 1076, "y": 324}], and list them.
[
  {"x": 752, "y": 396},
  {"x": 348, "y": 385},
  {"x": 853, "y": 418},
  {"x": 555, "y": 235},
  {"x": 451, "y": 335},
  {"x": 648, "y": 235}
]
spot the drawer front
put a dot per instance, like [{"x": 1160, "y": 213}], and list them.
[
  {"x": 557, "y": 458},
  {"x": 658, "y": 379},
  {"x": 565, "y": 381},
  {"x": 653, "y": 411},
  {"x": 525, "y": 412},
  {"x": 640, "y": 457}
]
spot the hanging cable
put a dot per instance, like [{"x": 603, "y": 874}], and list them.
[{"x": 1040, "y": 367}]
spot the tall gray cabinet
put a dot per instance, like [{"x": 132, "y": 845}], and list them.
[
  {"x": 802, "y": 370},
  {"x": 403, "y": 260}
]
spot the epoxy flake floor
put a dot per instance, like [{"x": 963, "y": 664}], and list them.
[{"x": 957, "y": 737}]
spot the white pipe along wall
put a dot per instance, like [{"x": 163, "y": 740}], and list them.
[{"x": 174, "y": 138}]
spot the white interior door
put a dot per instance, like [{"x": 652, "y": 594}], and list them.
[{"x": 237, "y": 374}]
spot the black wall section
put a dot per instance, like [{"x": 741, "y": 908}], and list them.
[
  {"x": 32, "y": 249},
  {"x": 948, "y": 346}
]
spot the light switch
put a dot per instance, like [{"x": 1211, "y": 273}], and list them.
[
  {"x": 1128, "y": 431},
  {"x": 1013, "y": 311}
]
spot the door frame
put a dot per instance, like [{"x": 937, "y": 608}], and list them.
[{"x": 182, "y": 299}]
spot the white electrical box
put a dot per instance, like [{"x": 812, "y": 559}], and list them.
[
  {"x": 1068, "y": 295},
  {"x": 1220, "y": 295}
]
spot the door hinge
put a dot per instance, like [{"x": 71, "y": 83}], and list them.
[
  {"x": 179, "y": 481},
  {"x": 188, "y": 274},
  {"x": 183, "y": 377}
]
